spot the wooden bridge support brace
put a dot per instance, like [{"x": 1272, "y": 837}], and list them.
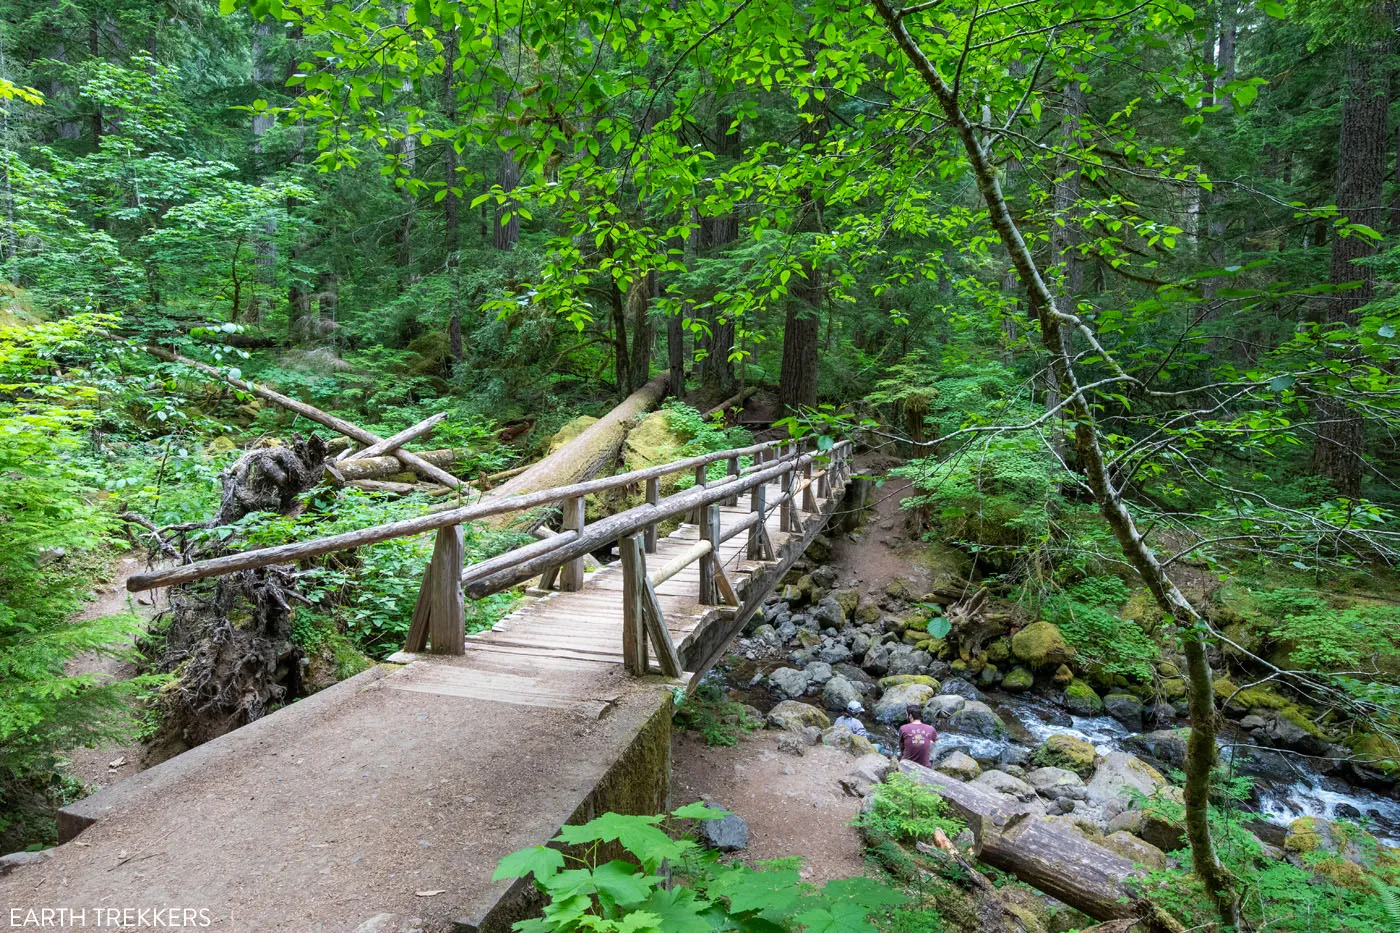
[
  {"x": 785, "y": 503},
  {"x": 571, "y": 574},
  {"x": 437, "y": 617},
  {"x": 653, "y": 496},
  {"x": 642, "y": 618}
]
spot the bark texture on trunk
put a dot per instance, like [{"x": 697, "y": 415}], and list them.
[
  {"x": 797, "y": 384},
  {"x": 716, "y": 370},
  {"x": 1052, "y": 859},
  {"x": 1340, "y": 444}
]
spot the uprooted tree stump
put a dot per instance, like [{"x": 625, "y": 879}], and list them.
[{"x": 228, "y": 640}]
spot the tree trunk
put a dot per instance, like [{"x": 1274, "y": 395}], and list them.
[
  {"x": 1340, "y": 443},
  {"x": 265, "y": 240},
  {"x": 1064, "y": 237},
  {"x": 1218, "y": 881},
  {"x": 797, "y": 385},
  {"x": 449, "y": 203},
  {"x": 717, "y": 371},
  {"x": 639, "y": 298}
]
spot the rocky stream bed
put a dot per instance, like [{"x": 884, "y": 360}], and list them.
[{"x": 1019, "y": 717}]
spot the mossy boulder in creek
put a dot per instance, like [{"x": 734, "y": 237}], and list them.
[
  {"x": 1081, "y": 699},
  {"x": 1040, "y": 644},
  {"x": 1019, "y": 680},
  {"x": 792, "y": 716},
  {"x": 1376, "y": 752},
  {"x": 898, "y": 680},
  {"x": 1068, "y": 752}
]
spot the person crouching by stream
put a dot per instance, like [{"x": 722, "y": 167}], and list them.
[
  {"x": 852, "y": 721},
  {"x": 916, "y": 738}
]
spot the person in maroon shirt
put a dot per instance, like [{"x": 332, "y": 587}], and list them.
[{"x": 915, "y": 738}]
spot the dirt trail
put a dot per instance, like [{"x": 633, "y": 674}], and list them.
[
  {"x": 95, "y": 766},
  {"x": 794, "y": 806}
]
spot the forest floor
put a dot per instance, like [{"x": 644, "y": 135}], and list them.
[
  {"x": 105, "y": 765},
  {"x": 792, "y": 805}
]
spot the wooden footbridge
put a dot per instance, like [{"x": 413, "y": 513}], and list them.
[{"x": 384, "y": 802}]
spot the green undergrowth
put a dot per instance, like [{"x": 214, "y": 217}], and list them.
[
  {"x": 716, "y": 718},
  {"x": 907, "y": 811},
  {"x": 642, "y": 874}
]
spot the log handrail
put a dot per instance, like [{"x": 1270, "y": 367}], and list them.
[{"x": 446, "y": 518}]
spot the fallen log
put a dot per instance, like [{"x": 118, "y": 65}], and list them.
[
  {"x": 587, "y": 455},
  {"x": 310, "y": 412},
  {"x": 1003, "y": 916},
  {"x": 380, "y": 467},
  {"x": 394, "y": 442},
  {"x": 1053, "y": 859},
  {"x": 401, "y": 489},
  {"x": 737, "y": 399}
]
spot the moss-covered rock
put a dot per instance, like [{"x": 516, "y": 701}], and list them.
[
  {"x": 848, "y": 600},
  {"x": 1063, "y": 675},
  {"x": 1080, "y": 698},
  {"x": 1040, "y": 644},
  {"x": 898, "y": 680},
  {"x": 652, "y": 442},
  {"x": 1174, "y": 688},
  {"x": 1308, "y": 834},
  {"x": 999, "y": 650},
  {"x": 1068, "y": 752},
  {"x": 794, "y": 716},
  {"x": 1376, "y": 752},
  {"x": 1019, "y": 680}
]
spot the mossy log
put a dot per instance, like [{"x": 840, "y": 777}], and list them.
[
  {"x": 1053, "y": 859},
  {"x": 596, "y": 449}
]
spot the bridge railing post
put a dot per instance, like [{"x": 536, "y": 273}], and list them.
[
  {"x": 571, "y": 574},
  {"x": 634, "y": 575},
  {"x": 653, "y": 496},
  {"x": 760, "y": 547},
  {"x": 733, "y": 468},
  {"x": 809, "y": 498},
  {"x": 438, "y": 614},
  {"x": 697, "y": 514}
]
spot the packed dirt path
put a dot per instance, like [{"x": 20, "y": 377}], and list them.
[
  {"x": 105, "y": 765},
  {"x": 793, "y": 805}
]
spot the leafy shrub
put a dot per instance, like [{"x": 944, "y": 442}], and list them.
[
  {"x": 584, "y": 892},
  {"x": 48, "y": 522},
  {"x": 908, "y": 811},
  {"x": 1088, "y": 614},
  {"x": 718, "y": 719}
]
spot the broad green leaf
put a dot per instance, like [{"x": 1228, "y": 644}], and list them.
[{"x": 540, "y": 861}]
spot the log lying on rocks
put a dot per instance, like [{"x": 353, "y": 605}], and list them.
[
  {"x": 584, "y": 457},
  {"x": 380, "y": 467},
  {"x": 734, "y": 401},
  {"x": 1053, "y": 859}
]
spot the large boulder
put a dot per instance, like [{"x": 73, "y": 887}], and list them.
[
  {"x": 867, "y": 774},
  {"x": 788, "y": 682},
  {"x": 653, "y": 442},
  {"x": 1081, "y": 699},
  {"x": 1040, "y": 644},
  {"x": 846, "y": 740},
  {"x": 959, "y": 765},
  {"x": 899, "y": 680},
  {"x": 960, "y": 687},
  {"x": 1019, "y": 680},
  {"x": 834, "y": 652},
  {"x": 905, "y": 659},
  {"x": 818, "y": 673},
  {"x": 877, "y": 659},
  {"x": 891, "y": 707},
  {"x": 1138, "y": 851},
  {"x": 977, "y": 718},
  {"x": 792, "y": 716},
  {"x": 1068, "y": 752},
  {"x": 1004, "y": 783},
  {"x": 829, "y": 614},
  {"x": 1054, "y": 783},
  {"x": 726, "y": 835},
  {"x": 1152, "y": 825},
  {"x": 1119, "y": 775},
  {"x": 1125, "y": 708},
  {"x": 1165, "y": 745},
  {"x": 838, "y": 693},
  {"x": 863, "y": 681},
  {"x": 943, "y": 706}
]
